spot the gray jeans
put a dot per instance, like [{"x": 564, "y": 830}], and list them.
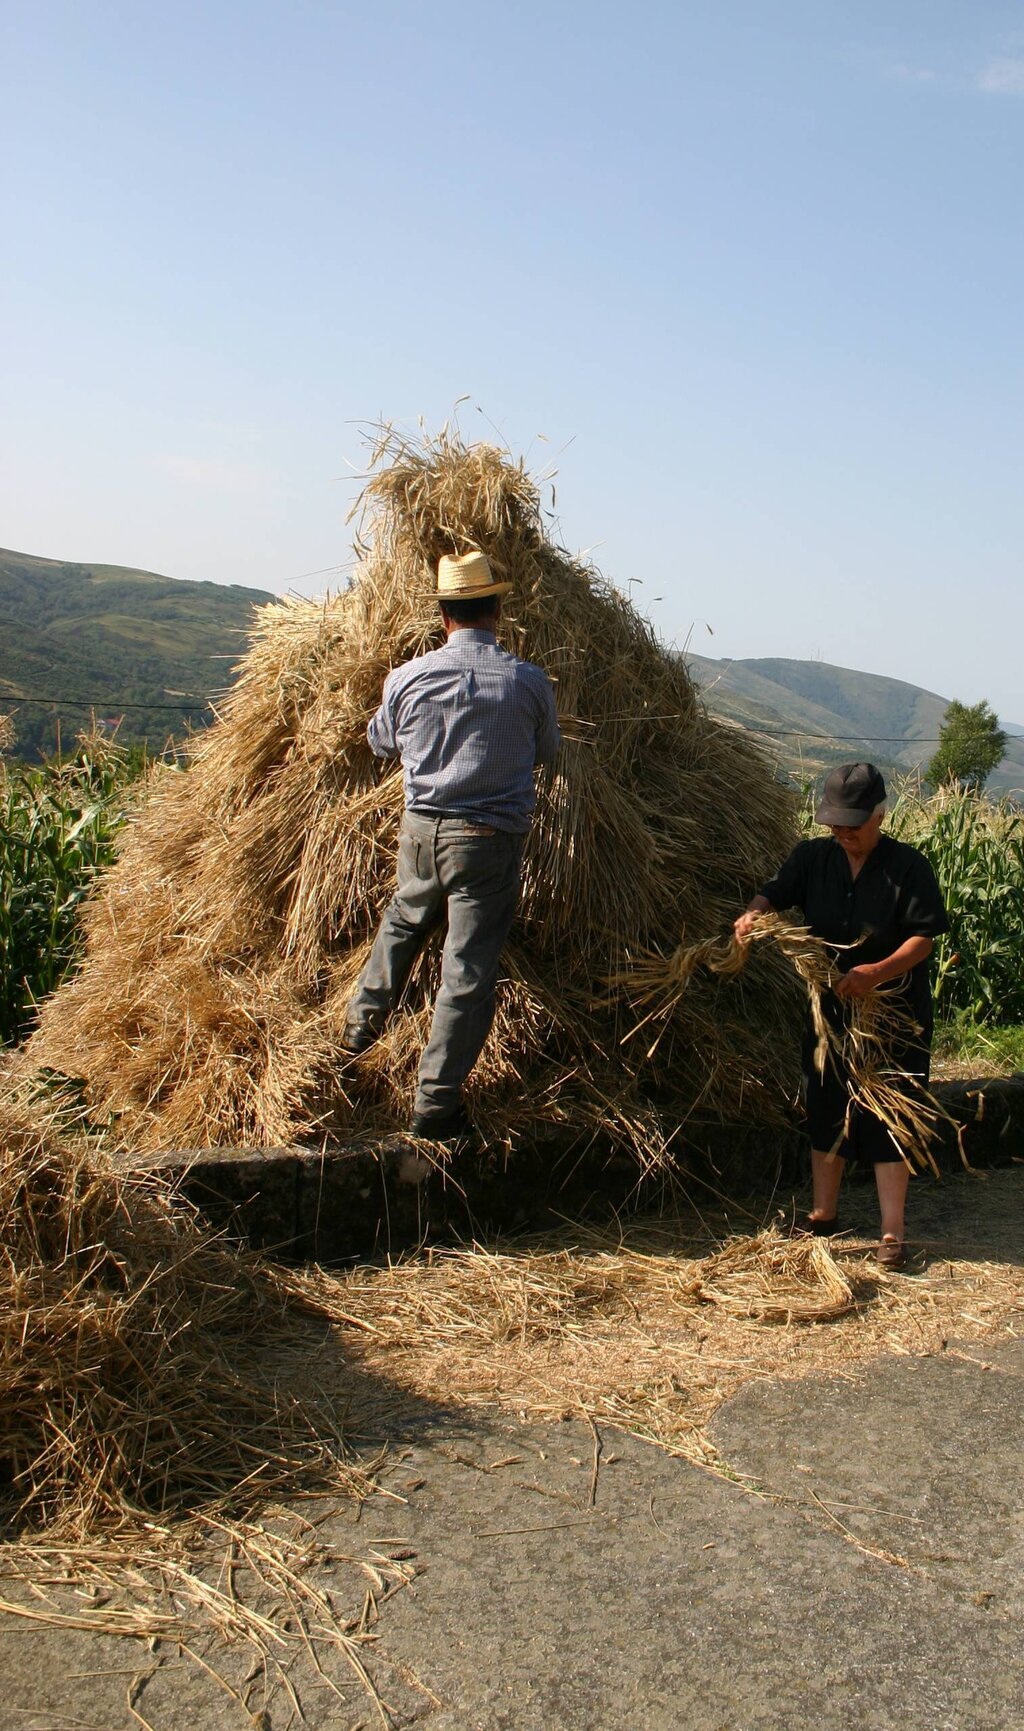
[{"x": 445, "y": 865}]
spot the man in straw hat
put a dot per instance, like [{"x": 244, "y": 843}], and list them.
[
  {"x": 879, "y": 901},
  {"x": 469, "y": 722}
]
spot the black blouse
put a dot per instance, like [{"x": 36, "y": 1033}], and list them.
[{"x": 894, "y": 896}]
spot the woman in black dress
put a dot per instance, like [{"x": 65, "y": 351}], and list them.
[{"x": 859, "y": 888}]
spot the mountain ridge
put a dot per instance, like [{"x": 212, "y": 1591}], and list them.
[
  {"x": 818, "y": 713},
  {"x": 73, "y": 633}
]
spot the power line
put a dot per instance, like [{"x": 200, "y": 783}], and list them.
[
  {"x": 205, "y": 702},
  {"x": 854, "y": 738},
  {"x": 104, "y": 703}
]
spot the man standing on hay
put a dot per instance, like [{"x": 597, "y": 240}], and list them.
[
  {"x": 878, "y": 901},
  {"x": 470, "y": 722}
]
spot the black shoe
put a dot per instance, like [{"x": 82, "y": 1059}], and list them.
[
  {"x": 452, "y": 1127},
  {"x": 355, "y": 1040},
  {"x": 808, "y": 1227}
]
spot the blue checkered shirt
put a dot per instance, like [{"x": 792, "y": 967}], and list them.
[{"x": 469, "y": 722}]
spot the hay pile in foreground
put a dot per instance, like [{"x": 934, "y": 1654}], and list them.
[
  {"x": 871, "y": 1029},
  {"x": 222, "y": 949},
  {"x": 144, "y": 1405},
  {"x": 140, "y": 1371}
]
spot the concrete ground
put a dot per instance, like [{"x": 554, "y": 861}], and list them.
[{"x": 863, "y": 1568}]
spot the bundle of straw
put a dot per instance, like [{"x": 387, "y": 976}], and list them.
[
  {"x": 223, "y": 947},
  {"x": 871, "y": 1030},
  {"x": 134, "y": 1353},
  {"x": 775, "y": 1279}
]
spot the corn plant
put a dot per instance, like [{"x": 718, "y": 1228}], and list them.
[
  {"x": 977, "y": 850},
  {"x": 58, "y": 825}
]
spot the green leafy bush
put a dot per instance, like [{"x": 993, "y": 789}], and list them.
[{"x": 58, "y": 824}]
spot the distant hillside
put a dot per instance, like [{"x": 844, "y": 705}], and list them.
[
  {"x": 109, "y": 637},
  {"x": 818, "y": 714},
  {"x": 105, "y": 636}
]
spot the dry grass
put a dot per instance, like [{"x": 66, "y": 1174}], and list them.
[
  {"x": 159, "y": 1395},
  {"x": 133, "y": 1353},
  {"x": 153, "y": 1405},
  {"x": 7, "y": 732},
  {"x": 223, "y": 947},
  {"x": 150, "y": 1379},
  {"x": 615, "y": 1330}
]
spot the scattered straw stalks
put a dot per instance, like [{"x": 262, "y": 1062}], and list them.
[
  {"x": 650, "y": 1332},
  {"x": 861, "y": 1043},
  {"x": 131, "y": 1346},
  {"x": 773, "y": 1279},
  {"x": 152, "y": 1404},
  {"x": 611, "y": 1329},
  {"x": 156, "y": 1389}
]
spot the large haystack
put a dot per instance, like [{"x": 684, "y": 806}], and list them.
[{"x": 223, "y": 946}]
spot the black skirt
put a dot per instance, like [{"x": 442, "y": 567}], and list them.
[{"x": 861, "y": 1136}]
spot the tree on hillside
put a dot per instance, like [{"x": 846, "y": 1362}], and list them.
[{"x": 971, "y": 743}]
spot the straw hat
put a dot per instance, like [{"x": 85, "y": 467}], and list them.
[{"x": 466, "y": 577}]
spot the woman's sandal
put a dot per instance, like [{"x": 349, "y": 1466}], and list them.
[
  {"x": 808, "y": 1227},
  {"x": 891, "y": 1253}
]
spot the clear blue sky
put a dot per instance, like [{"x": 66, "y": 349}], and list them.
[{"x": 755, "y": 270}]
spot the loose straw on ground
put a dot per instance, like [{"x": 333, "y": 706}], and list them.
[
  {"x": 152, "y": 1404},
  {"x": 650, "y": 1330},
  {"x": 156, "y": 1390}
]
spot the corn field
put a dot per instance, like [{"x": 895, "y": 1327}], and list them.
[
  {"x": 58, "y": 825},
  {"x": 977, "y": 850}
]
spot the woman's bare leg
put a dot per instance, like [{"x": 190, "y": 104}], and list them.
[
  {"x": 891, "y": 1179},
  {"x": 827, "y": 1175}
]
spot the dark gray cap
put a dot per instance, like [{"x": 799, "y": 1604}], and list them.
[{"x": 850, "y": 795}]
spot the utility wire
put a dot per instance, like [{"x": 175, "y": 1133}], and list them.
[
  {"x": 104, "y": 702},
  {"x": 205, "y": 702}
]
